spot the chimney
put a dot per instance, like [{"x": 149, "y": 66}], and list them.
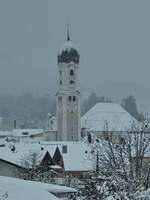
[{"x": 64, "y": 149}]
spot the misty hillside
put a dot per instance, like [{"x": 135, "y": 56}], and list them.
[
  {"x": 118, "y": 90},
  {"x": 32, "y": 109}
]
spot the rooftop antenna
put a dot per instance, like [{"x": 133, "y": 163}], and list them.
[{"x": 68, "y": 35}]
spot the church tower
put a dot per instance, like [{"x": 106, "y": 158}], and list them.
[{"x": 68, "y": 94}]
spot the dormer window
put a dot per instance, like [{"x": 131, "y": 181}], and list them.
[{"x": 71, "y": 72}]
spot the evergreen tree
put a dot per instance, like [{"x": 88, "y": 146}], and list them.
[
  {"x": 129, "y": 104},
  {"x": 92, "y": 100}
]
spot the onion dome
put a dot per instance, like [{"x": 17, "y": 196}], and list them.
[{"x": 68, "y": 52}]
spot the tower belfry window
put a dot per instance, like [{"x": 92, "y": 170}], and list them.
[
  {"x": 71, "y": 72},
  {"x": 60, "y": 99},
  {"x": 70, "y": 98},
  {"x": 71, "y": 82}
]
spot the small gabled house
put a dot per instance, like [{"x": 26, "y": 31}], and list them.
[{"x": 72, "y": 157}]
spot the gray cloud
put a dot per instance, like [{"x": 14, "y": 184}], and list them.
[{"x": 112, "y": 37}]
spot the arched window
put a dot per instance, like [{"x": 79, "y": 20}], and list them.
[
  {"x": 60, "y": 99},
  {"x": 70, "y": 98},
  {"x": 71, "y": 72},
  {"x": 71, "y": 82}
]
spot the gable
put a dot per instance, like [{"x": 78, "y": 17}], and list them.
[
  {"x": 57, "y": 158},
  {"x": 47, "y": 160}
]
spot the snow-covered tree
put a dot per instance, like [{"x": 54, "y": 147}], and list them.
[
  {"x": 123, "y": 164},
  {"x": 34, "y": 169},
  {"x": 129, "y": 104}
]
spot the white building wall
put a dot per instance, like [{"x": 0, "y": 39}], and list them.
[{"x": 68, "y": 112}]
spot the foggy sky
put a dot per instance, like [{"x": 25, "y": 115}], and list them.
[{"x": 113, "y": 38}]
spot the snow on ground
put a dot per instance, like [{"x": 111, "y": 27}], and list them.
[
  {"x": 15, "y": 189},
  {"x": 47, "y": 187}
]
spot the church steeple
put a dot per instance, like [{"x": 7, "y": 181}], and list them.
[
  {"x": 68, "y": 52},
  {"x": 68, "y": 95}
]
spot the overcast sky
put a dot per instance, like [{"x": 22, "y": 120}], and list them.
[{"x": 113, "y": 38}]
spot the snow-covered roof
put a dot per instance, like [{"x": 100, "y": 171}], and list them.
[
  {"x": 21, "y": 151},
  {"x": 17, "y": 189},
  {"x": 74, "y": 160},
  {"x": 67, "y": 46},
  {"x": 5, "y": 133},
  {"x": 26, "y": 132},
  {"x": 21, "y": 132},
  {"x": 46, "y": 186},
  {"x": 113, "y": 114},
  {"x": 68, "y": 53}
]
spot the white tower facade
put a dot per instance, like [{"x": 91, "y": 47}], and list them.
[{"x": 68, "y": 94}]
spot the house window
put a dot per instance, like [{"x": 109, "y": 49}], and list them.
[
  {"x": 74, "y": 98},
  {"x": 71, "y": 72},
  {"x": 81, "y": 176},
  {"x": 60, "y": 72},
  {"x": 60, "y": 82}
]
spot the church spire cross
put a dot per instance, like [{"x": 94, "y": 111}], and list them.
[{"x": 68, "y": 35}]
